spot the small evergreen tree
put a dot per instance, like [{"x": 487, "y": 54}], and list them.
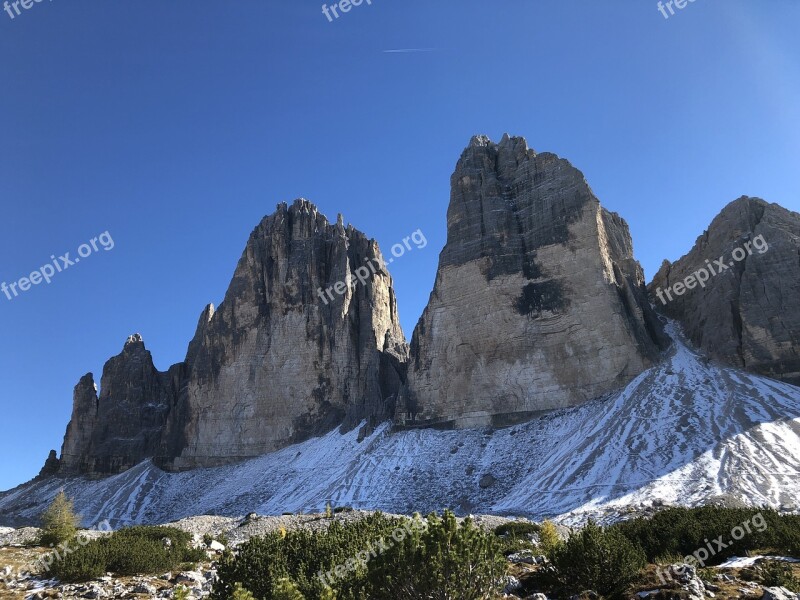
[
  {"x": 549, "y": 540},
  {"x": 59, "y": 522}
]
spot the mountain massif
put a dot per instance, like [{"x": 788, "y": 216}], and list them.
[
  {"x": 554, "y": 367},
  {"x": 273, "y": 365}
]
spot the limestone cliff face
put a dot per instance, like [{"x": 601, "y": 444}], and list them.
[
  {"x": 123, "y": 426},
  {"x": 747, "y": 314},
  {"x": 281, "y": 360},
  {"x": 538, "y": 302}
]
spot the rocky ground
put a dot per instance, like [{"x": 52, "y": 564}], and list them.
[{"x": 527, "y": 574}]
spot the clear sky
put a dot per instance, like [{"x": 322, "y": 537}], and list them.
[{"x": 177, "y": 125}]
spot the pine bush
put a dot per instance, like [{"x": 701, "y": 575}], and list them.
[
  {"x": 241, "y": 593},
  {"x": 285, "y": 590},
  {"x": 445, "y": 561},
  {"x": 598, "y": 559},
  {"x": 131, "y": 551}
]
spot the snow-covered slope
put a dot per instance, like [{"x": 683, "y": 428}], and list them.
[{"x": 683, "y": 432}]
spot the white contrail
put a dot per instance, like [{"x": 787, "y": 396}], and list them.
[{"x": 411, "y": 50}]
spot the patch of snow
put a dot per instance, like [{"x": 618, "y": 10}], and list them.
[{"x": 737, "y": 562}]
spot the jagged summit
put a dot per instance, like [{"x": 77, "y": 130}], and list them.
[
  {"x": 134, "y": 339},
  {"x": 279, "y": 361},
  {"x": 538, "y": 303},
  {"x": 274, "y": 364},
  {"x": 745, "y": 307}
]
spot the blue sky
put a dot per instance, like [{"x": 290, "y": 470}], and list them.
[{"x": 176, "y": 126}]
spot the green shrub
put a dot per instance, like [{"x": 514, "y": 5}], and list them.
[
  {"x": 777, "y": 573},
  {"x": 131, "y": 551},
  {"x": 59, "y": 521},
  {"x": 517, "y": 529},
  {"x": 598, "y": 559},
  {"x": 285, "y": 590},
  {"x": 241, "y": 593},
  {"x": 375, "y": 557},
  {"x": 440, "y": 561},
  {"x": 684, "y": 531},
  {"x": 88, "y": 562},
  {"x": 300, "y": 555}
]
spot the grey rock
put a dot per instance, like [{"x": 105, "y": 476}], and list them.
[
  {"x": 779, "y": 593},
  {"x": 487, "y": 481},
  {"x": 747, "y": 315},
  {"x": 192, "y": 578},
  {"x": 511, "y": 584},
  {"x": 144, "y": 588},
  {"x": 522, "y": 557},
  {"x": 538, "y": 302},
  {"x": 124, "y": 425},
  {"x": 51, "y": 466},
  {"x": 276, "y": 364},
  {"x": 686, "y": 576}
]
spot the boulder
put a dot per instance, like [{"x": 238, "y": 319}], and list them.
[{"x": 779, "y": 593}]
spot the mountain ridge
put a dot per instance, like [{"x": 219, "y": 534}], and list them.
[
  {"x": 539, "y": 327},
  {"x": 684, "y": 432}
]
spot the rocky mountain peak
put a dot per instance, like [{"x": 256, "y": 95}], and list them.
[
  {"x": 538, "y": 301},
  {"x": 737, "y": 292},
  {"x": 288, "y": 347},
  {"x": 134, "y": 340},
  {"x": 289, "y": 353}
]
